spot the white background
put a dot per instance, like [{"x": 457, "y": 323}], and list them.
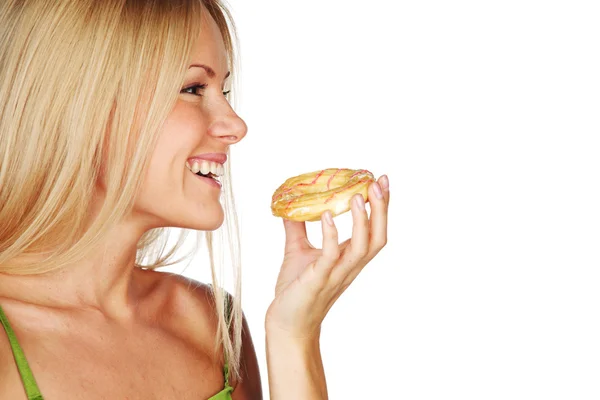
[{"x": 485, "y": 116}]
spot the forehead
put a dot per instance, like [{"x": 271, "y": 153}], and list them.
[{"x": 209, "y": 47}]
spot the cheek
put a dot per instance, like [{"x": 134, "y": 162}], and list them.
[
  {"x": 181, "y": 136},
  {"x": 186, "y": 123}
]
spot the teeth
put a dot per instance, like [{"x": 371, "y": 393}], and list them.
[
  {"x": 204, "y": 167},
  {"x": 195, "y": 167}
]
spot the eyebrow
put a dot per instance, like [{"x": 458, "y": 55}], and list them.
[{"x": 211, "y": 72}]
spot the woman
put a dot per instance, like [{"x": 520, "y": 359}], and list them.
[{"x": 105, "y": 107}]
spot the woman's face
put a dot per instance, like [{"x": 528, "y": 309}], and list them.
[{"x": 202, "y": 125}]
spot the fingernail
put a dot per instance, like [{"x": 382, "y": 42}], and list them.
[
  {"x": 360, "y": 202},
  {"x": 328, "y": 218},
  {"x": 377, "y": 191},
  {"x": 385, "y": 183}
]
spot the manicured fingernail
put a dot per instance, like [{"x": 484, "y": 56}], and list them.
[
  {"x": 360, "y": 202},
  {"x": 328, "y": 218},
  {"x": 377, "y": 191},
  {"x": 385, "y": 183}
]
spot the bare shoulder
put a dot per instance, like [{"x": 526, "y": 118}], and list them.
[
  {"x": 188, "y": 306},
  {"x": 183, "y": 305},
  {"x": 186, "y": 295}
]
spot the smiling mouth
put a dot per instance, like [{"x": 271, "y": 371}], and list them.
[{"x": 206, "y": 169}]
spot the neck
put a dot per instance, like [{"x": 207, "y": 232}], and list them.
[{"x": 103, "y": 280}]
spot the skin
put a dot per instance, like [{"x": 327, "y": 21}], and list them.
[
  {"x": 310, "y": 281},
  {"x": 104, "y": 329}
]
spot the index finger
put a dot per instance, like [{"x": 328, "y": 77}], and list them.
[{"x": 295, "y": 235}]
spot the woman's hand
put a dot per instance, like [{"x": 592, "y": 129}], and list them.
[{"x": 312, "y": 279}]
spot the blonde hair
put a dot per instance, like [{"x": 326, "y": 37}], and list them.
[{"x": 86, "y": 80}]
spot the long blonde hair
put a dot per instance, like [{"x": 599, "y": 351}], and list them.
[{"x": 86, "y": 80}]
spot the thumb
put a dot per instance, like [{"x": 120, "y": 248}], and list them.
[{"x": 295, "y": 235}]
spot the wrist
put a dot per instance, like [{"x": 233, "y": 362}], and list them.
[{"x": 275, "y": 333}]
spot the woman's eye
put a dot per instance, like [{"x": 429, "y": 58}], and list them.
[
  {"x": 193, "y": 89},
  {"x": 197, "y": 89}
]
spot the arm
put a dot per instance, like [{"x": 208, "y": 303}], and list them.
[
  {"x": 310, "y": 281},
  {"x": 298, "y": 375}
]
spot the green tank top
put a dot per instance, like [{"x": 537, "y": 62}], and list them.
[{"x": 31, "y": 388}]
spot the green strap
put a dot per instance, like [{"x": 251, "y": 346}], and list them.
[{"x": 31, "y": 388}]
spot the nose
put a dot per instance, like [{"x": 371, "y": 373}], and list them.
[{"x": 227, "y": 126}]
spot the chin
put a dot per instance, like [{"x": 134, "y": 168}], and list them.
[
  {"x": 205, "y": 217},
  {"x": 212, "y": 227},
  {"x": 209, "y": 219}
]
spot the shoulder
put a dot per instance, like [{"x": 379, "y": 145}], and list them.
[
  {"x": 181, "y": 305},
  {"x": 188, "y": 307}
]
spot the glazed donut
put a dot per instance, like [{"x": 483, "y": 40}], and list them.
[{"x": 305, "y": 197}]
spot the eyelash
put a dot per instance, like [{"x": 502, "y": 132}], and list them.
[{"x": 202, "y": 87}]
